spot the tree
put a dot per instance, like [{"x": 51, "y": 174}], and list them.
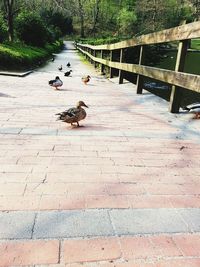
[
  {"x": 126, "y": 21},
  {"x": 3, "y": 30},
  {"x": 56, "y": 19},
  {"x": 10, "y": 10},
  {"x": 196, "y": 5},
  {"x": 161, "y": 14}
]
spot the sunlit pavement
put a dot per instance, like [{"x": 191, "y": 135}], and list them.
[{"x": 122, "y": 190}]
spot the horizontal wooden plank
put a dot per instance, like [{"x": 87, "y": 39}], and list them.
[
  {"x": 183, "y": 32},
  {"x": 181, "y": 79}
]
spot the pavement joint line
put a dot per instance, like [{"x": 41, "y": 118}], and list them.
[
  {"x": 102, "y": 237},
  {"x": 32, "y": 230},
  {"x": 60, "y": 252}
]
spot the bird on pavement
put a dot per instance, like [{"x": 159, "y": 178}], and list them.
[
  {"x": 67, "y": 73},
  {"x": 73, "y": 115},
  {"x": 86, "y": 79},
  {"x": 56, "y": 83},
  {"x": 194, "y": 108},
  {"x": 60, "y": 68},
  {"x": 68, "y": 64}
]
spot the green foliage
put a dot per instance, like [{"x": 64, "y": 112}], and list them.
[
  {"x": 58, "y": 21},
  {"x": 161, "y": 14},
  {"x": 31, "y": 29},
  {"x": 176, "y": 13},
  {"x": 3, "y": 29},
  {"x": 23, "y": 56},
  {"x": 126, "y": 21},
  {"x": 98, "y": 41}
]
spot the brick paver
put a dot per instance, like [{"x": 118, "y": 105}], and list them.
[
  {"x": 29, "y": 252},
  {"x": 130, "y": 154}
]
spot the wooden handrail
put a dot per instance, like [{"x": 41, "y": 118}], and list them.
[
  {"x": 181, "y": 79},
  {"x": 183, "y": 32},
  {"x": 177, "y": 78}
]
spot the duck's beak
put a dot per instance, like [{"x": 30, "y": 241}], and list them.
[{"x": 86, "y": 106}]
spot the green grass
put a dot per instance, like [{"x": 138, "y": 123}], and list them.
[{"x": 16, "y": 56}]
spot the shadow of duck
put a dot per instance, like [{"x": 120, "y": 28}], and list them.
[{"x": 5, "y": 95}]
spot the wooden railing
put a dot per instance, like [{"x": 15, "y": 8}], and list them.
[{"x": 177, "y": 78}]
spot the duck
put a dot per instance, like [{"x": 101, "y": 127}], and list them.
[
  {"x": 67, "y": 73},
  {"x": 73, "y": 115},
  {"x": 68, "y": 64},
  {"x": 53, "y": 58},
  {"x": 60, "y": 68},
  {"x": 194, "y": 108},
  {"x": 56, "y": 83},
  {"x": 86, "y": 79}
]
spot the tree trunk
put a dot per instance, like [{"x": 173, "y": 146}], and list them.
[
  {"x": 8, "y": 4},
  {"x": 81, "y": 12},
  {"x": 96, "y": 15}
]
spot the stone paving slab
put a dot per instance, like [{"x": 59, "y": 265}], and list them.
[
  {"x": 16, "y": 225},
  {"x": 97, "y": 222},
  {"x": 192, "y": 218},
  {"x": 148, "y": 221},
  {"x": 72, "y": 224}
]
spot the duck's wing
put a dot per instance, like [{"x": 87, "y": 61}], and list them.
[
  {"x": 51, "y": 82},
  {"x": 72, "y": 112}
]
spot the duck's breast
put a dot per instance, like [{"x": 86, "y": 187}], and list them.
[
  {"x": 82, "y": 114},
  {"x": 58, "y": 83}
]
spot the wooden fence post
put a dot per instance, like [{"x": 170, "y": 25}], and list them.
[
  {"x": 140, "y": 78},
  {"x": 91, "y": 53},
  {"x": 86, "y": 50},
  {"x": 95, "y": 55},
  {"x": 102, "y": 66},
  {"x": 121, "y": 72},
  {"x": 175, "y": 98},
  {"x": 111, "y": 59}
]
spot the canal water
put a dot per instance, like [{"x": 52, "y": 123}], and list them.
[
  {"x": 168, "y": 61},
  {"x": 192, "y": 64}
]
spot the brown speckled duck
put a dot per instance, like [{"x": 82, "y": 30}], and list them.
[
  {"x": 73, "y": 115},
  {"x": 86, "y": 79}
]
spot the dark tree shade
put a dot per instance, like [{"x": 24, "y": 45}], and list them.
[{"x": 31, "y": 29}]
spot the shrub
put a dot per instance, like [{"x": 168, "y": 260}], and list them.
[
  {"x": 18, "y": 56},
  {"x": 31, "y": 29}
]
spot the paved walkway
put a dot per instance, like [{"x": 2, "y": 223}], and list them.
[{"x": 123, "y": 190}]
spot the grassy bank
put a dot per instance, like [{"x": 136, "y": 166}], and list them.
[{"x": 16, "y": 56}]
